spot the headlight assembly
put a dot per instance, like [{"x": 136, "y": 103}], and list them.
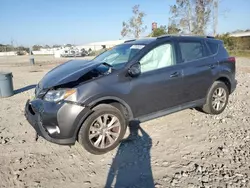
[{"x": 58, "y": 95}]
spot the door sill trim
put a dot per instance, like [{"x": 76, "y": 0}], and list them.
[{"x": 161, "y": 113}]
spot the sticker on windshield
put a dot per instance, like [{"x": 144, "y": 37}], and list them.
[{"x": 137, "y": 47}]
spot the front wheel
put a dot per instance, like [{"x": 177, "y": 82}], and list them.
[
  {"x": 102, "y": 131},
  {"x": 217, "y": 98}
]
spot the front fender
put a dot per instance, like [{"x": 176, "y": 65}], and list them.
[
  {"x": 92, "y": 102},
  {"x": 88, "y": 110}
]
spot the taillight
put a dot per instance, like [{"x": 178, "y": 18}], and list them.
[{"x": 231, "y": 59}]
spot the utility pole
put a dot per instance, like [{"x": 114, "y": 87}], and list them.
[
  {"x": 215, "y": 16},
  {"x": 12, "y": 45},
  {"x": 32, "y": 59}
]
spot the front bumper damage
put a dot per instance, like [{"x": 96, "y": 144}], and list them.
[{"x": 55, "y": 122}]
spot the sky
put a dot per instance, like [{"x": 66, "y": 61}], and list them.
[{"x": 29, "y": 22}]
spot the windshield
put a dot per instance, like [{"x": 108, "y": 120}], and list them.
[{"x": 119, "y": 55}]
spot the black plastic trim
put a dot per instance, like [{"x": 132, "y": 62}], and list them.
[
  {"x": 36, "y": 123},
  {"x": 171, "y": 110}
]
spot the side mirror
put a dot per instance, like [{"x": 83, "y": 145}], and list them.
[{"x": 135, "y": 70}]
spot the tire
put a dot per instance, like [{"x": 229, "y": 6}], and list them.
[
  {"x": 211, "y": 107},
  {"x": 92, "y": 123}
]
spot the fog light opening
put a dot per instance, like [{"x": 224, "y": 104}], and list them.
[
  {"x": 53, "y": 130},
  {"x": 57, "y": 130}
]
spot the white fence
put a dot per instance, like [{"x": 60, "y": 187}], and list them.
[
  {"x": 7, "y": 53},
  {"x": 44, "y": 52}
]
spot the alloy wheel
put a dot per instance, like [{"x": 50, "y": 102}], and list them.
[
  {"x": 104, "y": 131},
  {"x": 219, "y": 98}
]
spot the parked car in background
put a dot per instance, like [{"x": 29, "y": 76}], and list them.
[
  {"x": 93, "y": 102},
  {"x": 74, "y": 53},
  {"x": 84, "y": 52}
]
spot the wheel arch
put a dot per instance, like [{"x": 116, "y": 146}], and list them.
[
  {"x": 222, "y": 78},
  {"x": 226, "y": 80},
  {"x": 114, "y": 101}
]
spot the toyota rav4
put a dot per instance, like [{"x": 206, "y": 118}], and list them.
[{"x": 94, "y": 101}]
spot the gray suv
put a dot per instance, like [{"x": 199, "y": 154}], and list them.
[{"x": 94, "y": 101}]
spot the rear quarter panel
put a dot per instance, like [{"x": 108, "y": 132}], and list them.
[{"x": 227, "y": 67}]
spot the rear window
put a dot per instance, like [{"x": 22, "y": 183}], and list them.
[
  {"x": 213, "y": 47},
  {"x": 191, "y": 51}
]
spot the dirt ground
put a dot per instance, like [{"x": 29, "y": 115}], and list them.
[{"x": 186, "y": 149}]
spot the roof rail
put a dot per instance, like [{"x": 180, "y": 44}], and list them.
[
  {"x": 129, "y": 40},
  {"x": 212, "y": 37},
  {"x": 164, "y": 36},
  {"x": 179, "y": 35},
  {"x": 196, "y": 35}
]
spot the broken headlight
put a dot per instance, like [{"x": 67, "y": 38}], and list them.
[{"x": 58, "y": 95}]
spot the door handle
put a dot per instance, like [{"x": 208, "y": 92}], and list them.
[{"x": 175, "y": 74}]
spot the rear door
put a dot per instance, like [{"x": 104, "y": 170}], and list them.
[{"x": 198, "y": 68}]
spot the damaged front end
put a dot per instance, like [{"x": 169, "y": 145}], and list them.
[
  {"x": 55, "y": 112},
  {"x": 54, "y": 121}
]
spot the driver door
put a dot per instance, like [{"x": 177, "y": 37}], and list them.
[{"x": 158, "y": 87}]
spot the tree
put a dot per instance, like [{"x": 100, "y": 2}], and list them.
[
  {"x": 6, "y": 48},
  {"x": 162, "y": 30},
  {"x": 56, "y": 46},
  {"x": 191, "y": 16},
  {"x": 228, "y": 41},
  {"x": 215, "y": 16},
  {"x": 68, "y": 45},
  {"x": 22, "y": 49},
  {"x": 203, "y": 15},
  {"x": 134, "y": 27},
  {"x": 36, "y": 47},
  {"x": 46, "y": 46},
  {"x": 182, "y": 15},
  {"x": 173, "y": 29}
]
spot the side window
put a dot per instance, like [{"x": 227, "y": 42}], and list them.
[
  {"x": 159, "y": 57},
  {"x": 191, "y": 51},
  {"x": 213, "y": 47}
]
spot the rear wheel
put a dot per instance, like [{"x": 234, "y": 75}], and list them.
[
  {"x": 217, "y": 98},
  {"x": 102, "y": 131}
]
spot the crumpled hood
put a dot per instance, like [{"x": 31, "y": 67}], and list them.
[{"x": 67, "y": 72}]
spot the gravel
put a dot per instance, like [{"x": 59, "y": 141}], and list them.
[{"x": 185, "y": 149}]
